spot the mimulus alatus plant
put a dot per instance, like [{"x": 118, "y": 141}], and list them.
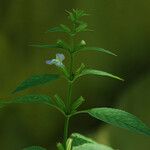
[{"x": 69, "y": 107}]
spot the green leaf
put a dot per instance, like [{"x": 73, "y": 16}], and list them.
[
  {"x": 62, "y": 28},
  {"x": 121, "y": 119},
  {"x": 81, "y": 142},
  {"x": 35, "y": 81},
  {"x": 60, "y": 103},
  {"x": 79, "y": 13},
  {"x": 95, "y": 49},
  {"x": 76, "y": 14},
  {"x": 35, "y": 99},
  {"x": 32, "y": 99},
  {"x": 77, "y": 103},
  {"x": 60, "y": 44},
  {"x": 81, "y": 27},
  {"x": 92, "y": 147},
  {"x": 55, "y": 29},
  {"x": 80, "y": 69},
  {"x": 65, "y": 28},
  {"x": 34, "y": 148},
  {"x": 98, "y": 73},
  {"x": 79, "y": 139},
  {"x": 71, "y": 16}
]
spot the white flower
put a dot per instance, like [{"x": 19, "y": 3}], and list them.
[{"x": 57, "y": 61}]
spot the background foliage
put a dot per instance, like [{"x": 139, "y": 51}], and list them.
[{"x": 120, "y": 26}]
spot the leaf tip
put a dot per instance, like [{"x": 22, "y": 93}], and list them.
[
  {"x": 121, "y": 79},
  {"x": 115, "y": 54}
]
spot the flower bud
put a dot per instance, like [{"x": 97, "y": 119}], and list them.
[
  {"x": 83, "y": 43},
  {"x": 60, "y": 42}
]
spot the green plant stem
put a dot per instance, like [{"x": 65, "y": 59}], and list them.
[
  {"x": 69, "y": 97},
  {"x": 66, "y": 127},
  {"x": 70, "y": 84}
]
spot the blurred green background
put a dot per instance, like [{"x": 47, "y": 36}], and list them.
[{"x": 122, "y": 26}]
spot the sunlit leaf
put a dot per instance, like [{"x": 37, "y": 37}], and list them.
[
  {"x": 95, "y": 49},
  {"x": 92, "y": 147},
  {"x": 98, "y": 73},
  {"x": 69, "y": 144},
  {"x": 81, "y": 142},
  {"x": 121, "y": 119},
  {"x": 34, "y": 148},
  {"x": 79, "y": 139},
  {"x": 35, "y": 81}
]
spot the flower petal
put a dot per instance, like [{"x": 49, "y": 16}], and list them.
[
  {"x": 55, "y": 62},
  {"x": 59, "y": 64},
  {"x": 60, "y": 57},
  {"x": 50, "y": 62}
]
